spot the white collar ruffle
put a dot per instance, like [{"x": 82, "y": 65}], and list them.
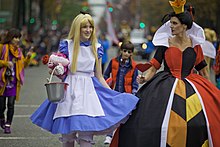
[{"x": 196, "y": 33}]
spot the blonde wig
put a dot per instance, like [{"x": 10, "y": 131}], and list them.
[
  {"x": 210, "y": 35},
  {"x": 74, "y": 34}
]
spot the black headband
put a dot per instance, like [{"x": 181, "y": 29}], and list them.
[{"x": 83, "y": 12}]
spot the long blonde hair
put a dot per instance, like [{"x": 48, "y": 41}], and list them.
[{"x": 74, "y": 34}]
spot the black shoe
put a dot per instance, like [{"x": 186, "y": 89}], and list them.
[
  {"x": 2, "y": 123},
  {"x": 7, "y": 129}
]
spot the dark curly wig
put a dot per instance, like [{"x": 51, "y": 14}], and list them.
[{"x": 12, "y": 33}]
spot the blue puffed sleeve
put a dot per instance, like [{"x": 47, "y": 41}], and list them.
[
  {"x": 63, "y": 47},
  {"x": 100, "y": 52}
]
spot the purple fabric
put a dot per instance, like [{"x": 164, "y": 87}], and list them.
[
  {"x": 2, "y": 69},
  {"x": 11, "y": 91}
]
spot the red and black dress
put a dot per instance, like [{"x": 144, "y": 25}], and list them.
[{"x": 177, "y": 107}]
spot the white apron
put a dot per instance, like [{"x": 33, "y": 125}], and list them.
[{"x": 80, "y": 97}]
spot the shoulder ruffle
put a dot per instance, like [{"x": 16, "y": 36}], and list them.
[
  {"x": 63, "y": 47},
  {"x": 100, "y": 50}
]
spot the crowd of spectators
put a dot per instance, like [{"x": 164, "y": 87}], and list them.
[{"x": 42, "y": 41}]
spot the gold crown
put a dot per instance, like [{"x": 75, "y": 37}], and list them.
[{"x": 178, "y": 5}]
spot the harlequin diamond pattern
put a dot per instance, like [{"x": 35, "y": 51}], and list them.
[
  {"x": 193, "y": 107},
  {"x": 187, "y": 125}
]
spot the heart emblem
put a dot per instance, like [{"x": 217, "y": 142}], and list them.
[{"x": 143, "y": 67}]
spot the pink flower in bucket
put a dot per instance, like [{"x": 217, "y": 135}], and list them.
[{"x": 55, "y": 90}]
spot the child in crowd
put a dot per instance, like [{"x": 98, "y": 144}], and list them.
[{"x": 123, "y": 73}]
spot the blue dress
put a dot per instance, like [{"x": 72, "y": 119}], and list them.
[{"x": 88, "y": 106}]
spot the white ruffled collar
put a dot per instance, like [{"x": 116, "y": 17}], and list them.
[{"x": 162, "y": 35}]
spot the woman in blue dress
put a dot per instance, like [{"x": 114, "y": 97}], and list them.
[{"x": 89, "y": 107}]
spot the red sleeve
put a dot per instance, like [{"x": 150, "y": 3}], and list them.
[
  {"x": 155, "y": 63},
  {"x": 200, "y": 56},
  {"x": 158, "y": 56},
  {"x": 200, "y": 61}
]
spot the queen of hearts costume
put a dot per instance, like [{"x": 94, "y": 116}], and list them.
[{"x": 177, "y": 107}]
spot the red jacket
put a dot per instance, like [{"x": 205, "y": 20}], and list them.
[{"x": 127, "y": 78}]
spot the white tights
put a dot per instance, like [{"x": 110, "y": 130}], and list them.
[{"x": 84, "y": 139}]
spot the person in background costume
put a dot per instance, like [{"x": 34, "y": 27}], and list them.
[
  {"x": 12, "y": 63},
  {"x": 208, "y": 48},
  {"x": 89, "y": 106},
  {"x": 216, "y": 67},
  {"x": 177, "y": 107},
  {"x": 122, "y": 70},
  {"x": 106, "y": 45}
]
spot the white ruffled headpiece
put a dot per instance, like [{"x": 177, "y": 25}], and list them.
[{"x": 196, "y": 33}]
